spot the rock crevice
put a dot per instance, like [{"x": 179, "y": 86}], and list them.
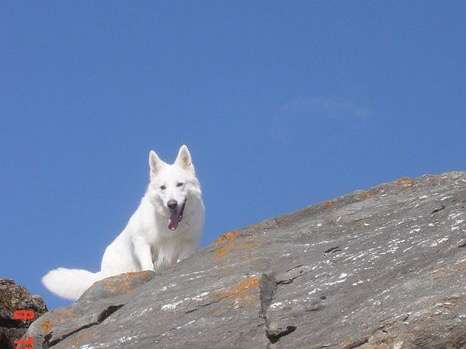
[{"x": 105, "y": 313}]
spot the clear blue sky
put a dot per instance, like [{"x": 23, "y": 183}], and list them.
[{"x": 283, "y": 104}]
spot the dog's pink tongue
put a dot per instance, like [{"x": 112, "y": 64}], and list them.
[{"x": 173, "y": 221}]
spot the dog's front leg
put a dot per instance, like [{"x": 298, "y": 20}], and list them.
[{"x": 143, "y": 253}]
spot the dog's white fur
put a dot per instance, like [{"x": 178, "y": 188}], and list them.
[{"x": 146, "y": 243}]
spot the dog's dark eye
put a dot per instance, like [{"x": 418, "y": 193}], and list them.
[
  {"x": 163, "y": 187},
  {"x": 179, "y": 184}
]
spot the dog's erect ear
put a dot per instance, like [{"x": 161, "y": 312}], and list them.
[
  {"x": 184, "y": 158},
  {"x": 155, "y": 164}
]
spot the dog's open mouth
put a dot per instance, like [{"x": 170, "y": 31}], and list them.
[{"x": 176, "y": 215}]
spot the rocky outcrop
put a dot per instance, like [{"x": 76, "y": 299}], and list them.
[
  {"x": 14, "y": 298},
  {"x": 95, "y": 305},
  {"x": 382, "y": 268}
]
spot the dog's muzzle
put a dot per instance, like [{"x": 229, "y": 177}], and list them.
[{"x": 176, "y": 213}]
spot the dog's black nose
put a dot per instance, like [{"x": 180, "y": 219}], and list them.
[{"x": 172, "y": 204}]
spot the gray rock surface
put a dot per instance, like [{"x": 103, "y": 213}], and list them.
[
  {"x": 382, "y": 268},
  {"x": 15, "y": 298}
]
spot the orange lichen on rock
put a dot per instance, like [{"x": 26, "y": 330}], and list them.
[
  {"x": 227, "y": 237},
  {"x": 228, "y": 242},
  {"x": 113, "y": 286},
  {"x": 46, "y": 326},
  {"x": 242, "y": 291},
  {"x": 405, "y": 182},
  {"x": 220, "y": 252},
  {"x": 123, "y": 284},
  {"x": 225, "y": 244},
  {"x": 329, "y": 204}
]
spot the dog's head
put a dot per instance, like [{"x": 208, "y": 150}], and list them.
[{"x": 171, "y": 185}]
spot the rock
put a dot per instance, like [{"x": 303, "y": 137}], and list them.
[
  {"x": 93, "y": 307},
  {"x": 14, "y": 298},
  {"x": 382, "y": 268},
  {"x": 116, "y": 285}
]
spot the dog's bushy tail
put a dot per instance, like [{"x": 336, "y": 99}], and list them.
[{"x": 69, "y": 283}]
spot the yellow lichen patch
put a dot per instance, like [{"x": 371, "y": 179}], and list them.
[
  {"x": 46, "y": 326},
  {"x": 405, "y": 182},
  {"x": 227, "y": 237},
  {"x": 116, "y": 286},
  {"x": 228, "y": 242},
  {"x": 242, "y": 291},
  {"x": 225, "y": 244},
  {"x": 221, "y": 252},
  {"x": 122, "y": 283}
]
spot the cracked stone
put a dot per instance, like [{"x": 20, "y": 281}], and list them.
[{"x": 342, "y": 274}]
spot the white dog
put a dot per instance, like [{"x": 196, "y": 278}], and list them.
[{"x": 165, "y": 228}]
